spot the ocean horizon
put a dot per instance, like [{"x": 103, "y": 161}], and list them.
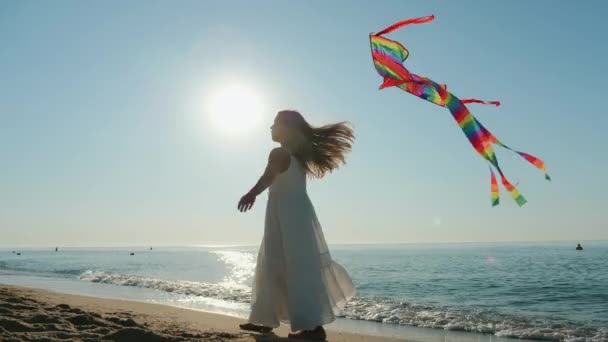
[{"x": 337, "y": 244}]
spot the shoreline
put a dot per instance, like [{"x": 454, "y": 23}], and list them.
[
  {"x": 30, "y": 313},
  {"x": 176, "y": 323}
]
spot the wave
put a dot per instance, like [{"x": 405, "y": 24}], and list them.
[
  {"x": 388, "y": 311},
  {"x": 33, "y": 269},
  {"x": 223, "y": 291},
  {"x": 383, "y": 310}
]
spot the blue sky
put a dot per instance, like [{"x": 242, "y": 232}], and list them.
[{"x": 104, "y": 139}]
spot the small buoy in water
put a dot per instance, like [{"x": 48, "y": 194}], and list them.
[
  {"x": 18, "y": 253},
  {"x": 132, "y": 253},
  {"x": 56, "y": 249},
  {"x": 150, "y": 248},
  {"x": 579, "y": 247}
]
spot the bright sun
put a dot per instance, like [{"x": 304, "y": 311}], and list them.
[{"x": 235, "y": 109}]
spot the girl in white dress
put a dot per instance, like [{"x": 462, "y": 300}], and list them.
[{"x": 296, "y": 281}]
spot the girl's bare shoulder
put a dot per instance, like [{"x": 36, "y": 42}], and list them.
[
  {"x": 279, "y": 153},
  {"x": 281, "y": 157}
]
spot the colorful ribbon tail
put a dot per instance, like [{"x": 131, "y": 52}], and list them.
[
  {"x": 494, "y": 189},
  {"x": 406, "y": 22},
  {"x": 536, "y": 162},
  {"x": 496, "y": 103},
  {"x": 517, "y": 197}
]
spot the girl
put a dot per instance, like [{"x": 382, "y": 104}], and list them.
[{"x": 296, "y": 281}]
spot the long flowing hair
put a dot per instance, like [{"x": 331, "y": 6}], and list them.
[{"x": 320, "y": 150}]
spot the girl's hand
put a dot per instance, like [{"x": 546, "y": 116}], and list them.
[{"x": 246, "y": 202}]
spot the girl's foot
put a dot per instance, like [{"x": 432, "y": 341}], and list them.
[
  {"x": 255, "y": 327},
  {"x": 318, "y": 334}
]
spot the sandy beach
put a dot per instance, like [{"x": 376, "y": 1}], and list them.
[{"x": 28, "y": 314}]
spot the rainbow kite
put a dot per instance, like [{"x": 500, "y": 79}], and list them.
[{"x": 389, "y": 55}]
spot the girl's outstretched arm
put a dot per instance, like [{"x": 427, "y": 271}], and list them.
[{"x": 278, "y": 162}]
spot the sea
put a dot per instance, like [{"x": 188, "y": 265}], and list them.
[{"x": 426, "y": 292}]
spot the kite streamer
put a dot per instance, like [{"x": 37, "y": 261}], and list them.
[
  {"x": 493, "y": 189},
  {"x": 388, "y": 57}
]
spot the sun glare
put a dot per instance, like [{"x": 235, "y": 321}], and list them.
[{"x": 235, "y": 110}]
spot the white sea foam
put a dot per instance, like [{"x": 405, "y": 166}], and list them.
[
  {"x": 426, "y": 316},
  {"x": 236, "y": 293}
]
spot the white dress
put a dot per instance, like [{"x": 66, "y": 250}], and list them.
[{"x": 296, "y": 281}]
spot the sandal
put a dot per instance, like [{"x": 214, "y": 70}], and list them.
[
  {"x": 318, "y": 334},
  {"x": 255, "y": 327}
]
